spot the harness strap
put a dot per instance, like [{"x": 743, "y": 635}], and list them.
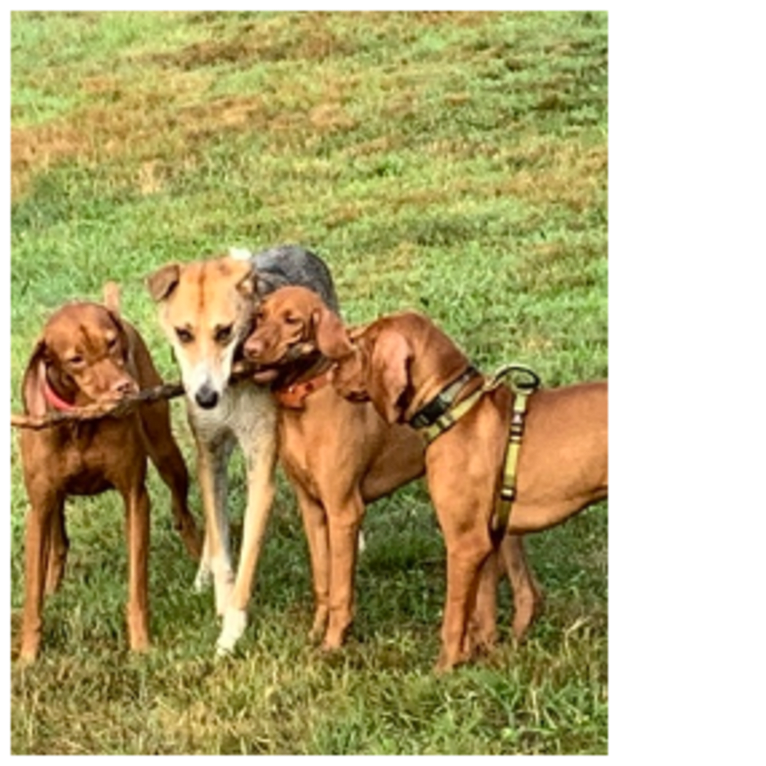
[
  {"x": 508, "y": 487},
  {"x": 448, "y": 419},
  {"x": 430, "y": 413},
  {"x": 522, "y": 389},
  {"x": 524, "y": 383}
]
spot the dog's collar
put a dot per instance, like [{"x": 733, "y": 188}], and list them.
[
  {"x": 293, "y": 396},
  {"x": 55, "y": 401},
  {"x": 443, "y": 401}
]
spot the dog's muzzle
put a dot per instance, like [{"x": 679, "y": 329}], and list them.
[{"x": 206, "y": 397}]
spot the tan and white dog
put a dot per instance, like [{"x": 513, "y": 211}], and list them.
[{"x": 206, "y": 311}]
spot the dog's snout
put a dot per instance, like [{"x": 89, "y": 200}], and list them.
[
  {"x": 254, "y": 347},
  {"x": 124, "y": 387},
  {"x": 206, "y": 397}
]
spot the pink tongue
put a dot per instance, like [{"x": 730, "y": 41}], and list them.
[{"x": 265, "y": 376}]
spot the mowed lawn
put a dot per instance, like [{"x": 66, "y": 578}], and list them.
[{"x": 455, "y": 163}]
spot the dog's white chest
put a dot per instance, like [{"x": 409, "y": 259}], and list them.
[{"x": 244, "y": 410}]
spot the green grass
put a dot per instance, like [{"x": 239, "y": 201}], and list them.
[{"x": 453, "y": 163}]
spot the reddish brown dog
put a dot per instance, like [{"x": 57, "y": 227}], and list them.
[
  {"x": 400, "y": 363},
  {"x": 340, "y": 456},
  {"x": 87, "y": 354}
]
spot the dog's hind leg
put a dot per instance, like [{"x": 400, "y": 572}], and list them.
[
  {"x": 527, "y": 594},
  {"x": 164, "y": 453},
  {"x": 58, "y": 553},
  {"x": 509, "y": 559},
  {"x": 261, "y": 461},
  {"x": 482, "y": 627}
]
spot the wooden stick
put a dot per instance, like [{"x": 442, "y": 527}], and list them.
[
  {"x": 96, "y": 411},
  {"x": 118, "y": 409}
]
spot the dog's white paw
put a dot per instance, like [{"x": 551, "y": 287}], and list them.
[
  {"x": 234, "y": 624},
  {"x": 361, "y": 545}
]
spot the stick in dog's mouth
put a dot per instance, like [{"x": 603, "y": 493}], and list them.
[
  {"x": 244, "y": 368},
  {"x": 267, "y": 373}
]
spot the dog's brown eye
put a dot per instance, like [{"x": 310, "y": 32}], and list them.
[
  {"x": 75, "y": 361},
  {"x": 223, "y": 334},
  {"x": 290, "y": 319},
  {"x": 183, "y": 335}
]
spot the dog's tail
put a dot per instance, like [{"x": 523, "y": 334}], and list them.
[{"x": 112, "y": 297}]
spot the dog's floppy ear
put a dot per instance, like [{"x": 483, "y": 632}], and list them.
[
  {"x": 34, "y": 381},
  {"x": 163, "y": 281},
  {"x": 389, "y": 374},
  {"x": 330, "y": 334}
]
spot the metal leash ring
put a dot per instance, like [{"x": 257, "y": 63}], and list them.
[
  {"x": 532, "y": 382},
  {"x": 528, "y": 385}
]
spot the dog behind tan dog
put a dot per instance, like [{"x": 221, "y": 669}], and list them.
[
  {"x": 88, "y": 354},
  {"x": 341, "y": 456},
  {"x": 402, "y": 363}
]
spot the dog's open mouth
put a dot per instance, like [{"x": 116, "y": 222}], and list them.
[
  {"x": 110, "y": 399},
  {"x": 265, "y": 375},
  {"x": 353, "y": 395},
  {"x": 267, "y": 372}
]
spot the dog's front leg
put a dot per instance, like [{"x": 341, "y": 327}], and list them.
[
  {"x": 40, "y": 517},
  {"x": 467, "y": 552},
  {"x": 344, "y": 519},
  {"x": 261, "y": 462},
  {"x": 212, "y": 466},
  {"x": 137, "y": 509},
  {"x": 317, "y": 535}
]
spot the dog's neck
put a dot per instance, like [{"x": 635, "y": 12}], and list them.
[
  {"x": 436, "y": 365},
  {"x": 314, "y": 374},
  {"x": 459, "y": 387},
  {"x": 58, "y": 395}
]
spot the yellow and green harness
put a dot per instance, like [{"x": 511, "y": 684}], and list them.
[{"x": 441, "y": 413}]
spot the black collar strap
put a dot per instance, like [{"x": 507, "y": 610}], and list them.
[{"x": 442, "y": 402}]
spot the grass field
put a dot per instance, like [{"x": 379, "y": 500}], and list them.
[{"x": 451, "y": 162}]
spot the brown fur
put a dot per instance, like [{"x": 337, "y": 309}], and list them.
[
  {"x": 340, "y": 456},
  {"x": 88, "y": 354},
  {"x": 400, "y": 362}
]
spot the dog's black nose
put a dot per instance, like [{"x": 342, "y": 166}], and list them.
[{"x": 206, "y": 397}]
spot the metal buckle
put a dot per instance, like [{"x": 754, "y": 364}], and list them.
[{"x": 431, "y": 412}]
